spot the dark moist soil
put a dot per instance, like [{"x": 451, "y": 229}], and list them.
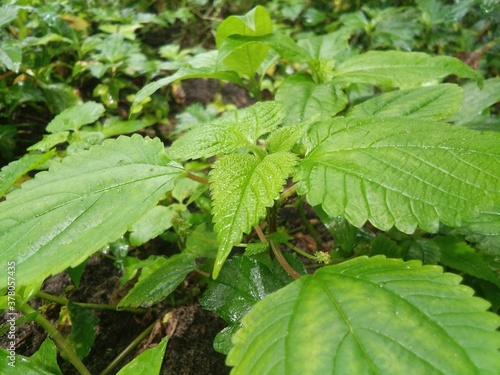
[{"x": 191, "y": 330}]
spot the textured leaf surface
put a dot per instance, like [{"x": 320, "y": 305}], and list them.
[
  {"x": 64, "y": 215},
  {"x": 82, "y": 334},
  {"x": 369, "y": 316},
  {"x": 242, "y": 187},
  {"x": 43, "y": 362},
  {"x": 400, "y": 69},
  {"x": 284, "y": 138},
  {"x": 476, "y": 100},
  {"x": 303, "y": 99},
  {"x": 282, "y": 44},
  {"x": 433, "y": 102},
  {"x": 402, "y": 172},
  {"x": 148, "y": 362},
  {"x": 210, "y": 71},
  {"x": 484, "y": 230},
  {"x": 152, "y": 224},
  {"x": 232, "y": 131},
  {"x": 245, "y": 59},
  {"x": 16, "y": 169},
  {"x": 242, "y": 282},
  {"x": 325, "y": 47},
  {"x": 462, "y": 257},
  {"x": 159, "y": 280},
  {"x": 75, "y": 117},
  {"x": 11, "y": 55}
]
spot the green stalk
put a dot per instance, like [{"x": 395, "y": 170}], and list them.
[
  {"x": 287, "y": 193},
  {"x": 125, "y": 352},
  {"x": 96, "y": 306},
  {"x": 301, "y": 252},
  {"x": 64, "y": 348}
]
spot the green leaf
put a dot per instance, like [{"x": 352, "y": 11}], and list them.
[
  {"x": 152, "y": 224},
  {"x": 256, "y": 22},
  {"x": 483, "y": 230},
  {"x": 8, "y": 13},
  {"x": 82, "y": 334},
  {"x": 75, "y": 117},
  {"x": 433, "y": 102},
  {"x": 49, "y": 141},
  {"x": 234, "y": 130},
  {"x": 43, "y": 362},
  {"x": 64, "y": 215},
  {"x": 245, "y": 59},
  {"x": 476, "y": 100},
  {"x": 211, "y": 71},
  {"x": 11, "y": 55},
  {"x": 343, "y": 233},
  {"x": 460, "y": 256},
  {"x": 424, "y": 250},
  {"x": 202, "y": 242},
  {"x": 59, "y": 97},
  {"x": 365, "y": 316},
  {"x": 16, "y": 169},
  {"x": 112, "y": 128},
  {"x": 159, "y": 279},
  {"x": 303, "y": 99},
  {"x": 284, "y": 138},
  {"x": 400, "y": 171},
  {"x": 242, "y": 187},
  {"x": 256, "y": 248},
  {"x": 148, "y": 362},
  {"x": 384, "y": 245},
  {"x": 400, "y": 69},
  {"x": 282, "y": 44},
  {"x": 325, "y": 47},
  {"x": 222, "y": 342},
  {"x": 242, "y": 282}
]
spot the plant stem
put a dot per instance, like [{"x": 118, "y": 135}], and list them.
[
  {"x": 260, "y": 234},
  {"x": 65, "y": 349},
  {"x": 282, "y": 261},
  {"x": 301, "y": 252},
  {"x": 96, "y": 306},
  {"x": 196, "y": 178},
  {"x": 278, "y": 254},
  {"x": 287, "y": 193},
  {"x": 125, "y": 352}
]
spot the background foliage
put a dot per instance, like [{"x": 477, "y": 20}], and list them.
[{"x": 373, "y": 148}]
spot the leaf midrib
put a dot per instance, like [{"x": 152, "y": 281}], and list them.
[{"x": 400, "y": 298}]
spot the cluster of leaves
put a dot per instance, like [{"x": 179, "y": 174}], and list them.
[{"x": 363, "y": 137}]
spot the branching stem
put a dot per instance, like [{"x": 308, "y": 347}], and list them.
[{"x": 64, "y": 348}]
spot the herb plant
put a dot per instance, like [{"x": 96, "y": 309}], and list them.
[{"x": 409, "y": 161}]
